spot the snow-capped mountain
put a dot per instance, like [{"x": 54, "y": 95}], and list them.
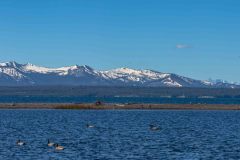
[{"x": 15, "y": 74}]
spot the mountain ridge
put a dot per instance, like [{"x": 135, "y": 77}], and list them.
[{"x": 15, "y": 74}]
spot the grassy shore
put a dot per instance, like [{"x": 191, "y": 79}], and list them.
[{"x": 118, "y": 106}]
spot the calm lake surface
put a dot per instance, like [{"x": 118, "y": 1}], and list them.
[
  {"x": 120, "y": 134},
  {"x": 92, "y": 99}
]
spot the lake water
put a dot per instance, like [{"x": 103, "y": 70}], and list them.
[
  {"x": 92, "y": 99},
  {"x": 120, "y": 134}
]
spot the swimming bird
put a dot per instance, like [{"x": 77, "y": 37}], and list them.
[
  {"x": 50, "y": 144},
  {"x": 154, "y": 128},
  {"x": 90, "y": 126},
  {"x": 58, "y": 147},
  {"x": 20, "y": 143}
]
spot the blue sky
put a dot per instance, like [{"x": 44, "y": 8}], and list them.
[{"x": 195, "y": 38}]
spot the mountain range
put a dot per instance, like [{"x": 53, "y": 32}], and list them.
[{"x": 15, "y": 74}]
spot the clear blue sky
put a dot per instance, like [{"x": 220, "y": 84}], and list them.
[{"x": 195, "y": 38}]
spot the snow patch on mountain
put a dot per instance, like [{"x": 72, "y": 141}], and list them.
[{"x": 133, "y": 75}]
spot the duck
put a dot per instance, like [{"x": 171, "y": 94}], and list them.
[
  {"x": 58, "y": 147},
  {"x": 90, "y": 126},
  {"x": 20, "y": 143},
  {"x": 50, "y": 144},
  {"x": 154, "y": 128}
]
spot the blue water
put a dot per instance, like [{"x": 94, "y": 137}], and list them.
[
  {"x": 120, "y": 134},
  {"x": 89, "y": 99}
]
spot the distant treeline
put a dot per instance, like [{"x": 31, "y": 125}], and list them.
[{"x": 118, "y": 91}]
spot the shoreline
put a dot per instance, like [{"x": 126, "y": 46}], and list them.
[{"x": 109, "y": 106}]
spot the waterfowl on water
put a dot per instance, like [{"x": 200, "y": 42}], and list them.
[
  {"x": 154, "y": 128},
  {"x": 50, "y": 144},
  {"x": 20, "y": 143},
  {"x": 90, "y": 126},
  {"x": 58, "y": 147}
]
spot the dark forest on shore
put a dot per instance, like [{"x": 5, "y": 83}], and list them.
[{"x": 119, "y": 91}]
